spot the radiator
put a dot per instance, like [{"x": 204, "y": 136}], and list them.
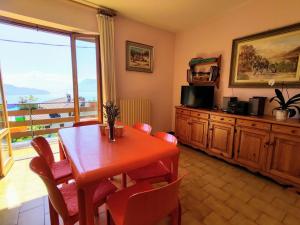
[{"x": 135, "y": 110}]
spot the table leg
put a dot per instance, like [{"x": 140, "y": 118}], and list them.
[
  {"x": 175, "y": 164},
  {"x": 61, "y": 151},
  {"x": 124, "y": 180},
  {"x": 85, "y": 206}
]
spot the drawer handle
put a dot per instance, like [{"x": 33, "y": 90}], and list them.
[
  {"x": 253, "y": 124},
  {"x": 293, "y": 131},
  {"x": 221, "y": 118}
]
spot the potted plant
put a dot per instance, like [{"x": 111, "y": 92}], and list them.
[
  {"x": 287, "y": 108},
  {"x": 111, "y": 113}
]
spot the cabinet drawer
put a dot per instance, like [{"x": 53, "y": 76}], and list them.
[
  {"x": 223, "y": 119},
  {"x": 254, "y": 124},
  {"x": 183, "y": 111},
  {"x": 200, "y": 115},
  {"x": 286, "y": 129}
]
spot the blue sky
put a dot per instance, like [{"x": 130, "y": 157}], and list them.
[{"x": 40, "y": 66}]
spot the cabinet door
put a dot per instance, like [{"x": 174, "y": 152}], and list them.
[
  {"x": 251, "y": 146},
  {"x": 221, "y": 139},
  {"x": 284, "y": 157},
  {"x": 198, "y": 133},
  {"x": 182, "y": 128}
]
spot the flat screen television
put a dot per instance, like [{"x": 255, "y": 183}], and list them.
[{"x": 197, "y": 96}]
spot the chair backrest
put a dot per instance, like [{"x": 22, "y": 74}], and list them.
[
  {"x": 166, "y": 137},
  {"x": 143, "y": 127},
  {"x": 149, "y": 207},
  {"x": 40, "y": 167},
  {"x": 86, "y": 123},
  {"x": 170, "y": 139},
  {"x": 42, "y": 147}
]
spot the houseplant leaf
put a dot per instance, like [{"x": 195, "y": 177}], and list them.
[{"x": 280, "y": 97}]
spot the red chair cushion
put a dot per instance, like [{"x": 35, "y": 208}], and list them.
[
  {"x": 61, "y": 169},
  {"x": 69, "y": 193},
  {"x": 117, "y": 202},
  {"x": 157, "y": 169}
]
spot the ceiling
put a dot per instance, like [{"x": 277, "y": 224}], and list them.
[{"x": 171, "y": 15}]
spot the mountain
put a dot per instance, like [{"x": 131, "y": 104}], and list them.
[
  {"x": 292, "y": 54},
  {"x": 88, "y": 85},
  {"x": 14, "y": 90}
]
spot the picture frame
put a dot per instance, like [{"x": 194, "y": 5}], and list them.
[
  {"x": 267, "y": 57},
  {"x": 139, "y": 57}
]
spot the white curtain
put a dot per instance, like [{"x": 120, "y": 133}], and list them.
[{"x": 107, "y": 53}]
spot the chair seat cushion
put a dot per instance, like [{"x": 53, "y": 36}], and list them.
[
  {"x": 117, "y": 202},
  {"x": 157, "y": 169},
  {"x": 61, "y": 170},
  {"x": 101, "y": 191}
]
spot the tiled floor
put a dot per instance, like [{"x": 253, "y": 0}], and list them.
[{"x": 213, "y": 193}]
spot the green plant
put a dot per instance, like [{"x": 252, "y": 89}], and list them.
[
  {"x": 111, "y": 112},
  {"x": 290, "y": 105}
]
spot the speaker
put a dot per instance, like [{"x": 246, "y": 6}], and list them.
[
  {"x": 242, "y": 108},
  {"x": 227, "y": 101},
  {"x": 257, "y": 106}
]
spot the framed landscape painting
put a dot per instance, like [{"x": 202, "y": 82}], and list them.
[
  {"x": 266, "y": 57},
  {"x": 139, "y": 57}
]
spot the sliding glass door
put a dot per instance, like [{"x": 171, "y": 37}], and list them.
[
  {"x": 6, "y": 159},
  {"x": 87, "y": 77}
]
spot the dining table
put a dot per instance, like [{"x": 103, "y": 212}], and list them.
[{"x": 94, "y": 157}]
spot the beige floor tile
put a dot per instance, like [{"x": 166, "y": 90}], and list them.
[
  {"x": 214, "y": 219},
  {"x": 216, "y": 192},
  {"x": 267, "y": 220},
  {"x": 243, "y": 208},
  {"x": 239, "y": 219},
  {"x": 291, "y": 220},
  {"x": 219, "y": 208},
  {"x": 33, "y": 216},
  {"x": 267, "y": 208}
]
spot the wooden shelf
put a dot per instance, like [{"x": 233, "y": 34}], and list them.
[
  {"x": 203, "y": 83},
  {"x": 203, "y": 61}
]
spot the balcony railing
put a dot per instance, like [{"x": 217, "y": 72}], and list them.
[{"x": 34, "y": 119}]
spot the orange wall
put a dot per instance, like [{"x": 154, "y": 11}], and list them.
[
  {"x": 215, "y": 37},
  {"x": 156, "y": 86}
]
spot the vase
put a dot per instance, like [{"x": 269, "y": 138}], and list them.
[
  {"x": 281, "y": 115},
  {"x": 111, "y": 131}
]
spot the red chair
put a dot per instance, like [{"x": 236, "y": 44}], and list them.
[
  {"x": 63, "y": 200},
  {"x": 143, "y": 127},
  {"x": 141, "y": 204},
  {"x": 60, "y": 170},
  {"x": 158, "y": 171},
  {"x": 86, "y": 123}
]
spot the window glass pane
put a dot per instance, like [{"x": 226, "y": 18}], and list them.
[{"x": 87, "y": 77}]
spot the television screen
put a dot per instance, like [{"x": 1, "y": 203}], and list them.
[{"x": 197, "y": 96}]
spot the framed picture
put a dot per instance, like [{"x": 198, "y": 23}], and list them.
[
  {"x": 266, "y": 57},
  {"x": 139, "y": 57}
]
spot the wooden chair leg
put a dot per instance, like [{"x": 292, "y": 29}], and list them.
[
  {"x": 53, "y": 215},
  {"x": 108, "y": 219},
  {"x": 124, "y": 180},
  {"x": 179, "y": 212},
  {"x": 176, "y": 215}
]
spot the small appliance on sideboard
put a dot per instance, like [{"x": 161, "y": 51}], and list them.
[
  {"x": 226, "y": 101},
  {"x": 257, "y": 106},
  {"x": 238, "y": 107},
  {"x": 197, "y": 96}
]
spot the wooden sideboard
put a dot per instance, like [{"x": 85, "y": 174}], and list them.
[{"x": 260, "y": 144}]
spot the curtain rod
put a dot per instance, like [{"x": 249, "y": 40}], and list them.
[{"x": 101, "y": 9}]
